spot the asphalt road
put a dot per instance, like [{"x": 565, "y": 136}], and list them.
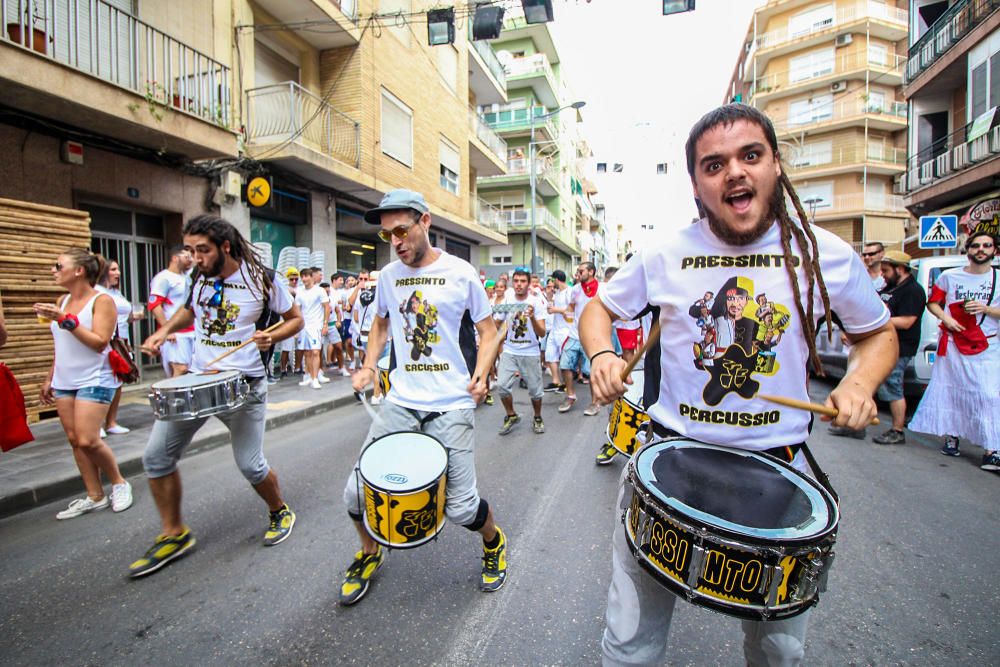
[{"x": 914, "y": 582}]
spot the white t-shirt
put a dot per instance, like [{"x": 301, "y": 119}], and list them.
[
  {"x": 311, "y": 302},
  {"x": 521, "y": 340},
  {"x": 232, "y": 323},
  {"x": 958, "y": 285},
  {"x": 714, "y": 361},
  {"x": 425, "y": 308},
  {"x": 579, "y": 299},
  {"x": 170, "y": 290},
  {"x": 560, "y": 327},
  {"x": 123, "y": 307}
]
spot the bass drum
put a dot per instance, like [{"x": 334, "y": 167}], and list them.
[{"x": 628, "y": 417}]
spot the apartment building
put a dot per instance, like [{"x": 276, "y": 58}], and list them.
[
  {"x": 829, "y": 73},
  {"x": 953, "y": 147},
  {"x": 345, "y": 101},
  {"x": 538, "y": 106}
]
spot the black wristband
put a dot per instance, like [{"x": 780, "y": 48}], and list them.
[{"x": 597, "y": 354}]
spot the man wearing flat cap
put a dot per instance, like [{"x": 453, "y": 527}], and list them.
[{"x": 905, "y": 299}]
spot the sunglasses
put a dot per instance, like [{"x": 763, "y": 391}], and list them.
[
  {"x": 399, "y": 232},
  {"x": 216, "y": 299},
  {"x": 974, "y": 246},
  {"x": 871, "y": 254}
]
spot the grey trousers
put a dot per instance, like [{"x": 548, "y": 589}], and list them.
[
  {"x": 246, "y": 431},
  {"x": 455, "y": 430},
  {"x": 530, "y": 369},
  {"x": 639, "y": 611}
]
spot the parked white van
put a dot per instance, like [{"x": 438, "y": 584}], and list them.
[{"x": 918, "y": 373}]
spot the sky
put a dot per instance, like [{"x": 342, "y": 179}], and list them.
[{"x": 646, "y": 79}]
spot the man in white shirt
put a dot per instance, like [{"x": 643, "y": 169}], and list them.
[
  {"x": 871, "y": 254},
  {"x": 520, "y": 354},
  {"x": 559, "y": 332},
  {"x": 227, "y": 304},
  {"x": 433, "y": 304},
  {"x": 738, "y": 251},
  {"x": 314, "y": 304},
  {"x": 167, "y": 292},
  {"x": 573, "y": 356}
]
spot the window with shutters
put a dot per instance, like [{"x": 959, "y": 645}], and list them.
[
  {"x": 397, "y": 129},
  {"x": 819, "y": 152},
  {"x": 878, "y": 54},
  {"x": 450, "y": 166},
  {"x": 811, "y": 110},
  {"x": 811, "y": 20},
  {"x": 811, "y": 65}
]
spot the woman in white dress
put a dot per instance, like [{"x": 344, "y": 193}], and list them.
[{"x": 109, "y": 283}]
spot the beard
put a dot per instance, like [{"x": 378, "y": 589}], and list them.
[
  {"x": 735, "y": 238},
  {"x": 216, "y": 268},
  {"x": 986, "y": 260}
]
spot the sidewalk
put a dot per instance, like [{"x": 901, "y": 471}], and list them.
[{"x": 44, "y": 470}]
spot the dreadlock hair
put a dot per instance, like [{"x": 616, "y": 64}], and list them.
[
  {"x": 802, "y": 231},
  {"x": 218, "y": 231}
]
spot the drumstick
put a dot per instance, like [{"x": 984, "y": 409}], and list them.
[
  {"x": 804, "y": 405},
  {"x": 243, "y": 344},
  {"x": 654, "y": 335}
]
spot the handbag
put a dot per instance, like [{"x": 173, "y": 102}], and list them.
[
  {"x": 14, "y": 430},
  {"x": 122, "y": 360},
  {"x": 972, "y": 341}
]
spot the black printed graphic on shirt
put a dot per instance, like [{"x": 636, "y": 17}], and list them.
[{"x": 420, "y": 320}]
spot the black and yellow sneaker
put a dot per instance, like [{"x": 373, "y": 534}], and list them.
[
  {"x": 606, "y": 455},
  {"x": 359, "y": 576},
  {"x": 165, "y": 549},
  {"x": 281, "y": 526},
  {"x": 508, "y": 423},
  {"x": 489, "y": 399},
  {"x": 494, "y": 565}
]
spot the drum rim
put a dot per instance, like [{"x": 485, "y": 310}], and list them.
[
  {"x": 378, "y": 364},
  {"x": 764, "y": 537},
  {"x": 217, "y": 378},
  {"x": 447, "y": 460}
]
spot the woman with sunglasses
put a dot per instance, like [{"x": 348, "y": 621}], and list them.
[
  {"x": 81, "y": 383},
  {"x": 108, "y": 283}
]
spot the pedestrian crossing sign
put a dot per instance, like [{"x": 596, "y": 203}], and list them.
[{"x": 939, "y": 231}]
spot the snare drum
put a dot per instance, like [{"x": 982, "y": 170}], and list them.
[
  {"x": 194, "y": 395},
  {"x": 735, "y": 531},
  {"x": 627, "y": 418},
  {"x": 383, "y": 375},
  {"x": 404, "y": 476}
]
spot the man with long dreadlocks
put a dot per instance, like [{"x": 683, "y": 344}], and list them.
[
  {"x": 226, "y": 305},
  {"x": 743, "y": 248}
]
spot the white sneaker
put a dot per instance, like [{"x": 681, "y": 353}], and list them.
[
  {"x": 118, "y": 429},
  {"x": 376, "y": 400},
  {"x": 82, "y": 506},
  {"x": 322, "y": 378},
  {"x": 305, "y": 381},
  {"x": 104, "y": 433},
  {"x": 121, "y": 497},
  {"x": 314, "y": 384},
  {"x": 346, "y": 373}
]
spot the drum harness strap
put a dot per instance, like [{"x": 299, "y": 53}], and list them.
[{"x": 786, "y": 453}]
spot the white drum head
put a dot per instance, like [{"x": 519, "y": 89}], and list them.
[
  {"x": 189, "y": 380},
  {"x": 401, "y": 462},
  {"x": 633, "y": 392},
  {"x": 383, "y": 364}
]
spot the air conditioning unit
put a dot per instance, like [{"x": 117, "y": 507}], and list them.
[
  {"x": 838, "y": 86},
  {"x": 844, "y": 40}
]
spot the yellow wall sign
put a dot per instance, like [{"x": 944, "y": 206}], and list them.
[{"x": 258, "y": 191}]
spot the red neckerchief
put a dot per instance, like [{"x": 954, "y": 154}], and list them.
[{"x": 590, "y": 288}]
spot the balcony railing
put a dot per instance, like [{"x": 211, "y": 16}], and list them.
[
  {"x": 520, "y": 166},
  {"x": 487, "y": 135},
  {"x": 94, "y": 37},
  {"x": 839, "y": 111},
  {"x": 860, "y": 201},
  {"x": 519, "y": 219},
  {"x": 944, "y": 33},
  {"x": 946, "y": 156},
  {"x": 845, "y": 15},
  {"x": 840, "y": 65},
  {"x": 507, "y": 118},
  {"x": 489, "y": 216},
  {"x": 489, "y": 56},
  {"x": 529, "y": 66},
  {"x": 287, "y": 112},
  {"x": 824, "y": 158}
]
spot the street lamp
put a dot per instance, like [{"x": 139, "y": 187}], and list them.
[{"x": 531, "y": 171}]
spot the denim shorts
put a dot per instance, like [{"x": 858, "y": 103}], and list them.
[
  {"x": 92, "y": 394},
  {"x": 573, "y": 356},
  {"x": 892, "y": 388}
]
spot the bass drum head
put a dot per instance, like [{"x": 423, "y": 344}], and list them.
[
  {"x": 633, "y": 392},
  {"x": 739, "y": 492},
  {"x": 401, "y": 462},
  {"x": 195, "y": 380},
  {"x": 383, "y": 364}
]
